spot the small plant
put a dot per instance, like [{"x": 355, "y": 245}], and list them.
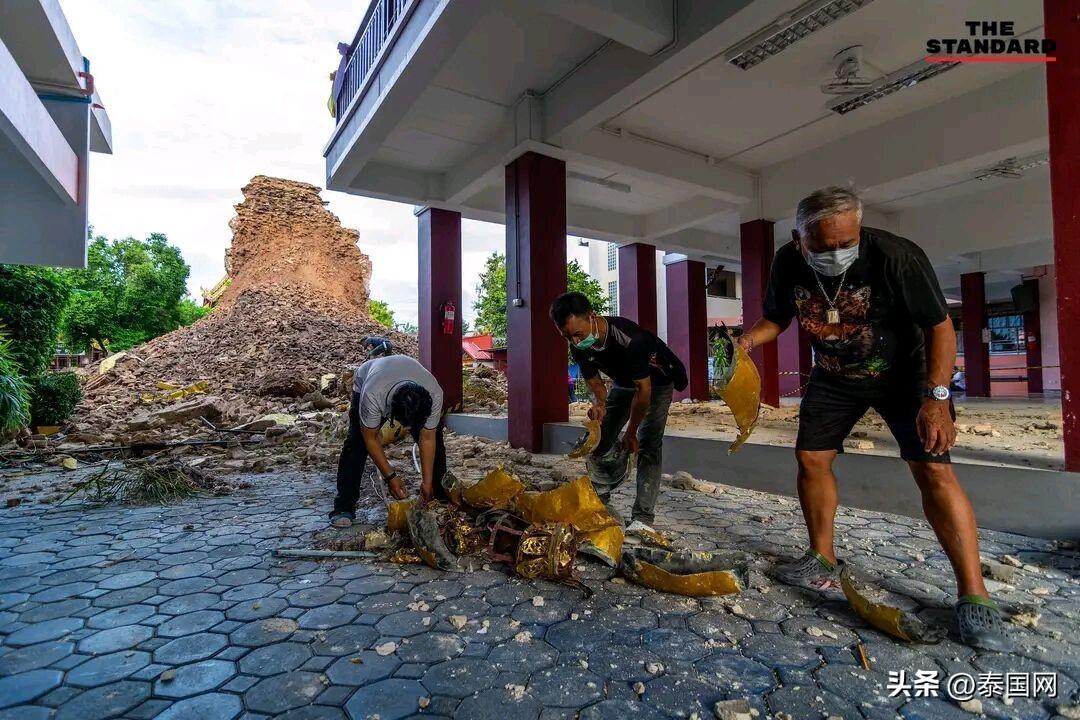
[
  {"x": 53, "y": 396},
  {"x": 137, "y": 483},
  {"x": 14, "y": 393}
]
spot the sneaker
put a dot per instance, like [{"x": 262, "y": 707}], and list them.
[
  {"x": 638, "y": 526},
  {"x": 341, "y": 519},
  {"x": 979, "y": 622},
  {"x": 812, "y": 571}
]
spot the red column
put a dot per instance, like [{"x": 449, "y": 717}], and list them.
[
  {"x": 1062, "y": 20},
  {"x": 637, "y": 284},
  {"x": 1033, "y": 341},
  {"x": 687, "y": 325},
  {"x": 976, "y": 352},
  {"x": 535, "y": 276},
  {"x": 756, "y": 246},
  {"x": 439, "y": 238}
]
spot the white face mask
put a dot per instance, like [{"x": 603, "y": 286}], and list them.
[{"x": 832, "y": 262}]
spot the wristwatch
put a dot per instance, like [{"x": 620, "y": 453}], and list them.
[{"x": 938, "y": 392}]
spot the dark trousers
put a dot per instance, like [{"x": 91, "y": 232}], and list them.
[
  {"x": 650, "y": 446},
  {"x": 354, "y": 457}
]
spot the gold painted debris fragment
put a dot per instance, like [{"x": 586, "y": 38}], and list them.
[
  {"x": 739, "y": 384},
  {"x": 686, "y": 572},
  {"x": 868, "y": 601},
  {"x": 424, "y": 531},
  {"x": 588, "y": 440},
  {"x": 494, "y": 490},
  {"x": 392, "y": 432},
  {"x": 577, "y": 504}
]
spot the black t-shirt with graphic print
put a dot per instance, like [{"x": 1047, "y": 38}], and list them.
[
  {"x": 890, "y": 294},
  {"x": 629, "y": 353}
]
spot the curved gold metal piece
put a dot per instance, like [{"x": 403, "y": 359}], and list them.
[
  {"x": 576, "y": 503},
  {"x": 587, "y": 442},
  {"x": 686, "y": 572},
  {"x": 739, "y": 386},
  {"x": 495, "y": 490},
  {"x": 868, "y": 601}
]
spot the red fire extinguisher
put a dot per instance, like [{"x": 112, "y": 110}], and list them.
[{"x": 448, "y": 319}]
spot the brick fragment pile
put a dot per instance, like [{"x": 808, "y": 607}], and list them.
[
  {"x": 296, "y": 311},
  {"x": 484, "y": 389}
]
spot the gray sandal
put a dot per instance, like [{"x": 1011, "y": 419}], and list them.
[
  {"x": 979, "y": 622},
  {"x": 812, "y": 571}
]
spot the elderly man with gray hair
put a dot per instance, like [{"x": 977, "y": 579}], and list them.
[{"x": 882, "y": 339}]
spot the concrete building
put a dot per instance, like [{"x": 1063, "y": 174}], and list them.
[
  {"x": 51, "y": 119},
  {"x": 693, "y": 127},
  {"x": 722, "y": 306}
]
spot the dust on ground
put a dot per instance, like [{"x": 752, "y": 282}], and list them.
[{"x": 1024, "y": 433}]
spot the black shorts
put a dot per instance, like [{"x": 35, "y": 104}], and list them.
[{"x": 830, "y": 409}]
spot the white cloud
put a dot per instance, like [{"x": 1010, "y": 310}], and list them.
[{"x": 203, "y": 96}]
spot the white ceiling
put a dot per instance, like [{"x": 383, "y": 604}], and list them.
[{"x": 776, "y": 110}]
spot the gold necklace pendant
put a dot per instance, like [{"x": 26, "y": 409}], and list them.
[{"x": 832, "y": 316}]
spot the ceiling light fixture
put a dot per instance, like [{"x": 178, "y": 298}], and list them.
[
  {"x": 788, "y": 29},
  {"x": 602, "y": 182},
  {"x": 905, "y": 77},
  {"x": 1013, "y": 168}
]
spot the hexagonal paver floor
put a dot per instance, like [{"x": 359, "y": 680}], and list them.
[{"x": 141, "y": 613}]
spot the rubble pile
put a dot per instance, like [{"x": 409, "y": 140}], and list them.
[
  {"x": 485, "y": 390},
  {"x": 283, "y": 339}
]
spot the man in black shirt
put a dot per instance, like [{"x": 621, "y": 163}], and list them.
[
  {"x": 882, "y": 339},
  {"x": 643, "y": 370}
]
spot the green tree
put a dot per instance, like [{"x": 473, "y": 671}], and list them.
[
  {"x": 491, "y": 298},
  {"x": 131, "y": 291},
  {"x": 381, "y": 313},
  {"x": 31, "y": 302},
  {"x": 190, "y": 311}
]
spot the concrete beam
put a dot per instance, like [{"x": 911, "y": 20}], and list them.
[
  {"x": 29, "y": 129},
  {"x": 723, "y": 182},
  {"x": 400, "y": 184},
  {"x": 618, "y": 77},
  {"x": 699, "y": 243},
  {"x": 964, "y": 134},
  {"x": 644, "y": 25},
  {"x": 681, "y": 216}
]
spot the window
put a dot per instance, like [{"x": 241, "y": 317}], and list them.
[
  {"x": 613, "y": 296},
  {"x": 612, "y": 253},
  {"x": 1006, "y": 333},
  {"x": 720, "y": 283}
]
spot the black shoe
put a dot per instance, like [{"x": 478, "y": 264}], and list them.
[{"x": 342, "y": 518}]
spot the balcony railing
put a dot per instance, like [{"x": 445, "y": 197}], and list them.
[{"x": 379, "y": 23}]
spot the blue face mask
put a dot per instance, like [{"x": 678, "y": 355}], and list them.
[
  {"x": 589, "y": 340},
  {"x": 832, "y": 262}
]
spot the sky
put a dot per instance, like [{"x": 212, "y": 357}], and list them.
[{"x": 205, "y": 94}]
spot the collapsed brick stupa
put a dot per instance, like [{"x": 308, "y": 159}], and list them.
[
  {"x": 283, "y": 236},
  {"x": 296, "y": 310}
]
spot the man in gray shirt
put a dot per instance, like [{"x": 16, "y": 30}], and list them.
[{"x": 396, "y": 388}]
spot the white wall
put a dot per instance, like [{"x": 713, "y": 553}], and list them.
[{"x": 1048, "y": 322}]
